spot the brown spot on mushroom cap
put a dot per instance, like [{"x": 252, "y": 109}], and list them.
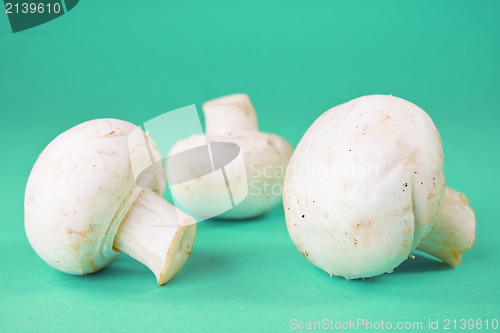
[
  {"x": 407, "y": 232},
  {"x": 463, "y": 199},
  {"x": 365, "y": 224},
  {"x": 111, "y": 133},
  {"x": 74, "y": 246},
  {"x": 273, "y": 146},
  {"x": 92, "y": 266}
]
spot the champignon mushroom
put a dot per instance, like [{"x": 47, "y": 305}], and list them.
[
  {"x": 232, "y": 119},
  {"x": 365, "y": 187},
  {"x": 83, "y": 206}
]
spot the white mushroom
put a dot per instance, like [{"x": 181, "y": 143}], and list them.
[
  {"x": 83, "y": 206},
  {"x": 365, "y": 187},
  {"x": 232, "y": 119}
]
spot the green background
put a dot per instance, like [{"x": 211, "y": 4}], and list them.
[{"x": 135, "y": 60}]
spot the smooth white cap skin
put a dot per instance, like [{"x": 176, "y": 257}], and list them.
[
  {"x": 232, "y": 119},
  {"x": 78, "y": 192},
  {"x": 364, "y": 186}
]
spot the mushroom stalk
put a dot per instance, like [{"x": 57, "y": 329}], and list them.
[
  {"x": 157, "y": 234},
  {"x": 455, "y": 229},
  {"x": 232, "y": 114}
]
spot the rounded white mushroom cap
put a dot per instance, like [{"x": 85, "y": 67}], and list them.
[
  {"x": 364, "y": 186},
  {"x": 78, "y": 192},
  {"x": 265, "y": 159}
]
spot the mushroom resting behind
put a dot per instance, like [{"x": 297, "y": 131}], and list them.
[
  {"x": 365, "y": 187},
  {"x": 232, "y": 119},
  {"x": 82, "y": 204}
]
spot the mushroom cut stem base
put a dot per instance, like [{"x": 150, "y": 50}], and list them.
[
  {"x": 455, "y": 229},
  {"x": 157, "y": 234}
]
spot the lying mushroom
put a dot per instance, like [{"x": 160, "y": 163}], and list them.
[
  {"x": 365, "y": 188},
  {"x": 83, "y": 206},
  {"x": 232, "y": 119}
]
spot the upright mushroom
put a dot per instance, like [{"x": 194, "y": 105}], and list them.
[
  {"x": 83, "y": 206},
  {"x": 232, "y": 119},
  {"x": 365, "y": 187}
]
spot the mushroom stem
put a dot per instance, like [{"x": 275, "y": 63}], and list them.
[
  {"x": 455, "y": 229},
  {"x": 229, "y": 114},
  {"x": 157, "y": 234}
]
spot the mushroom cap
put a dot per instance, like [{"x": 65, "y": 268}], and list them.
[
  {"x": 364, "y": 186},
  {"x": 78, "y": 192},
  {"x": 265, "y": 160}
]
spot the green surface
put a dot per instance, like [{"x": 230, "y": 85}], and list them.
[{"x": 137, "y": 59}]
